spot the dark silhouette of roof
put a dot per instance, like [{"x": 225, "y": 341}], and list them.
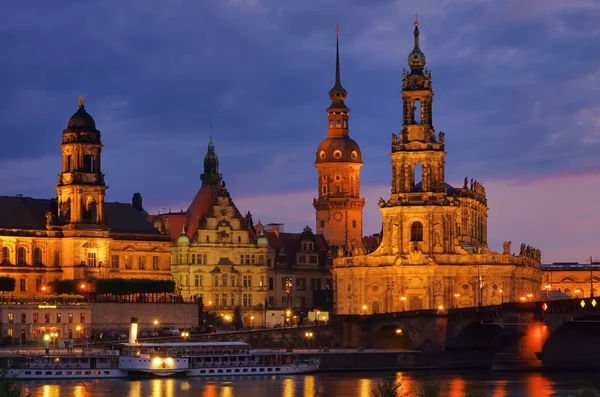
[
  {"x": 81, "y": 121},
  {"x": 291, "y": 243},
  {"x": 18, "y": 212}
]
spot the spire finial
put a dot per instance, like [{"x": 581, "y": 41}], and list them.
[
  {"x": 416, "y": 20},
  {"x": 81, "y": 100},
  {"x": 337, "y": 30},
  {"x": 211, "y": 132}
]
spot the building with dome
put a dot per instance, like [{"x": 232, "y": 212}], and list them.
[
  {"x": 217, "y": 255},
  {"x": 338, "y": 162},
  {"x": 433, "y": 252},
  {"x": 78, "y": 235}
]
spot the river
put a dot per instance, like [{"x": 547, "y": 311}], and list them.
[{"x": 358, "y": 384}]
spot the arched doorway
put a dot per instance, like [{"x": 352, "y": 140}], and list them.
[
  {"x": 415, "y": 303},
  {"x": 375, "y": 307}
]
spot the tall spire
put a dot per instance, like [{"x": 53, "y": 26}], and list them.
[
  {"x": 337, "y": 92},
  {"x": 337, "y": 56}
]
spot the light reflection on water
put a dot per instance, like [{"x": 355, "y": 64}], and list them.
[{"x": 321, "y": 385}]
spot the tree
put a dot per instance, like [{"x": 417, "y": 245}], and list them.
[
  {"x": 10, "y": 386},
  {"x": 237, "y": 322},
  {"x": 7, "y": 284},
  {"x": 428, "y": 388},
  {"x": 387, "y": 387}
]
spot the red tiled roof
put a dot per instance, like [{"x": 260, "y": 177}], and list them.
[{"x": 290, "y": 243}]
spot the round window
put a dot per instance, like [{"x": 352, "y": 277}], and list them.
[
  {"x": 322, "y": 154},
  {"x": 337, "y": 154},
  {"x": 354, "y": 154}
]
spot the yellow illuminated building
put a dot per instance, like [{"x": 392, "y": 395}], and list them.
[
  {"x": 217, "y": 255},
  {"x": 434, "y": 250},
  {"x": 78, "y": 235}
]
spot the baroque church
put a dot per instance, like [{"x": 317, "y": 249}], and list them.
[
  {"x": 78, "y": 235},
  {"x": 433, "y": 252}
]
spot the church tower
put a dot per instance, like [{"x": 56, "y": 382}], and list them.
[
  {"x": 210, "y": 176},
  {"x": 338, "y": 162},
  {"x": 81, "y": 187},
  {"x": 418, "y": 156}
]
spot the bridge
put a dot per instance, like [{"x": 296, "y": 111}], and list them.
[{"x": 525, "y": 335}]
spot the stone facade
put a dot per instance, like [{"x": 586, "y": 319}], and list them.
[
  {"x": 117, "y": 316},
  {"x": 433, "y": 252},
  {"x": 299, "y": 269},
  {"x": 216, "y": 253},
  {"x": 78, "y": 235},
  {"x": 28, "y": 321},
  {"x": 571, "y": 279}
]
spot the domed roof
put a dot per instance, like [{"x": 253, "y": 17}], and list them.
[
  {"x": 339, "y": 149},
  {"x": 416, "y": 58},
  {"x": 183, "y": 239},
  {"x": 81, "y": 121}
]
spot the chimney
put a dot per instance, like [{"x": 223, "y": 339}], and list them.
[{"x": 133, "y": 330}]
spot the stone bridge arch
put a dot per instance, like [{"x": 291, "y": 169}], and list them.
[
  {"x": 478, "y": 335},
  {"x": 572, "y": 343},
  {"x": 419, "y": 332}
]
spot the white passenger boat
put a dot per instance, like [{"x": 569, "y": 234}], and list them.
[
  {"x": 63, "y": 366},
  {"x": 209, "y": 359}
]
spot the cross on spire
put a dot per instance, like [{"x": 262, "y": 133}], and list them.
[{"x": 416, "y": 19}]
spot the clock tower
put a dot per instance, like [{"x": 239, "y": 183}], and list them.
[{"x": 338, "y": 162}]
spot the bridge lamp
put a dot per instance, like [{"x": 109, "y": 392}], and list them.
[
  {"x": 441, "y": 307},
  {"x": 398, "y": 331},
  {"x": 529, "y": 296},
  {"x": 523, "y": 299},
  {"x": 364, "y": 307}
]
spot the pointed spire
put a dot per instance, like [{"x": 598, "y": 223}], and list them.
[
  {"x": 337, "y": 93},
  {"x": 183, "y": 231},
  {"x": 81, "y": 101},
  {"x": 337, "y": 56}
]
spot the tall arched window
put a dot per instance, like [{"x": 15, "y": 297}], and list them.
[
  {"x": 89, "y": 211},
  {"x": 21, "y": 257},
  {"x": 37, "y": 257},
  {"x": 416, "y": 231},
  {"x": 5, "y": 256}
]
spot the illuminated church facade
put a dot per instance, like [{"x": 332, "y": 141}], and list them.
[
  {"x": 433, "y": 252},
  {"x": 78, "y": 235}
]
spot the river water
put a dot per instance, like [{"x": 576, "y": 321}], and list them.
[{"x": 357, "y": 384}]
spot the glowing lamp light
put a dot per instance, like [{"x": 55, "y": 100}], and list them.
[
  {"x": 403, "y": 298},
  {"x": 441, "y": 307},
  {"x": 364, "y": 307},
  {"x": 156, "y": 361},
  {"x": 544, "y": 306},
  {"x": 169, "y": 360},
  {"x": 399, "y": 331},
  {"x": 46, "y": 337}
]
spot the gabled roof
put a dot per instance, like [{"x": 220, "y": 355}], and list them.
[
  {"x": 18, "y": 212},
  {"x": 197, "y": 212},
  {"x": 289, "y": 244}
]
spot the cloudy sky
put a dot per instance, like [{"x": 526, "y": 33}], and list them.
[{"x": 517, "y": 88}]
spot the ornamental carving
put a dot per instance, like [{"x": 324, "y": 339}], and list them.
[{"x": 91, "y": 244}]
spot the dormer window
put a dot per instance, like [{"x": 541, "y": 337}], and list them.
[{"x": 307, "y": 246}]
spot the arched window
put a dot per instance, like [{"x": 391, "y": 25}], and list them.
[
  {"x": 21, "y": 256},
  {"x": 5, "y": 256},
  {"x": 37, "y": 257},
  {"x": 89, "y": 212},
  {"x": 416, "y": 231},
  {"x": 375, "y": 307},
  {"x": 88, "y": 163}
]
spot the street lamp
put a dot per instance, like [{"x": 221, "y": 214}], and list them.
[
  {"x": 251, "y": 321},
  {"x": 547, "y": 287},
  {"x": 155, "y": 323},
  {"x": 185, "y": 335},
  {"x": 529, "y": 296},
  {"x": 456, "y": 296},
  {"x": 308, "y": 336},
  {"x": 403, "y": 299},
  {"x": 47, "y": 343},
  {"x": 318, "y": 316},
  {"x": 399, "y": 331},
  {"x": 364, "y": 308}
]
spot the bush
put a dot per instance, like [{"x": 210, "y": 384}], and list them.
[
  {"x": 587, "y": 391},
  {"x": 387, "y": 387},
  {"x": 428, "y": 388},
  {"x": 7, "y": 284}
]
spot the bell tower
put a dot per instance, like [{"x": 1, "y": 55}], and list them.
[
  {"x": 338, "y": 162},
  {"x": 418, "y": 156},
  {"x": 211, "y": 176},
  {"x": 81, "y": 188}
]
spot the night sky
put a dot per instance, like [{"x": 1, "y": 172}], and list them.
[{"x": 517, "y": 87}]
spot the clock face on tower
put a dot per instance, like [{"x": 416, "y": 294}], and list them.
[{"x": 337, "y": 216}]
